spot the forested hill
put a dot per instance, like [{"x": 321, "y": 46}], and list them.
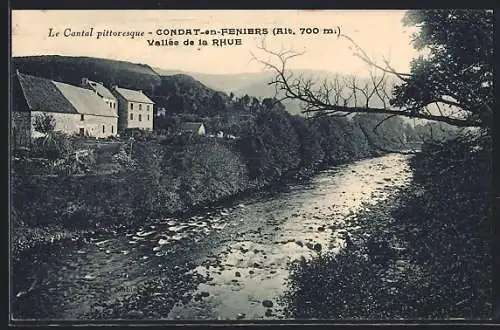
[{"x": 182, "y": 94}]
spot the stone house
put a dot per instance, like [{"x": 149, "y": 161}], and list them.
[
  {"x": 135, "y": 109},
  {"x": 76, "y": 110},
  {"x": 192, "y": 128}
]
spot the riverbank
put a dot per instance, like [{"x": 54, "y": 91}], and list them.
[{"x": 426, "y": 254}]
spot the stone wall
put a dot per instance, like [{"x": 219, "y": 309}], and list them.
[
  {"x": 71, "y": 124},
  {"x": 20, "y": 129}
]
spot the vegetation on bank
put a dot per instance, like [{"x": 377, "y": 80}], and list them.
[{"x": 427, "y": 255}]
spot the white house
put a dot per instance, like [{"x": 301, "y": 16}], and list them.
[{"x": 135, "y": 109}]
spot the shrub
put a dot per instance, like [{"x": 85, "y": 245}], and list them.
[
  {"x": 138, "y": 134},
  {"x": 53, "y": 145},
  {"x": 44, "y": 123}
]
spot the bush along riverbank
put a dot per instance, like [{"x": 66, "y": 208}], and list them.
[
  {"x": 425, "y": 255},
  {"x": 157, "y": 176}
]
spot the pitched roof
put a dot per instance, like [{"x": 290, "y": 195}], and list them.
[
  {"x": 100, "y": 89},
  {"x": 42, "y": 95},
  {"x": 51, "y": 96},
  {"x": 85, "y": 101},
  {"x": 133, "y": 95},
  {"x": 191, "y": 126}
]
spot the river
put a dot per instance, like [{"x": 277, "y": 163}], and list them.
[{"x": 226, "y": 263}]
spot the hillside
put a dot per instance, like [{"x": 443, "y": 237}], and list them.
[
  {"x": 181, "y": 93},
  {"x": 222, "y": 82},
  {"x": 257, "y": 84},
  {"x": 240, "y": 84},
  {"x": 71, "y": 70}
]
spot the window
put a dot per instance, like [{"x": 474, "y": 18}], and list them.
[
  {"x": 103, "y": 129},
  {"x": 111, "y": 105},
  {"x": 147, "y": 107},
  {"x": 140, "y": 119},
  {"x": 131, "y": 116},
  {"x": 148, "y": 117},
  {"x": 140, "y": 106},
  {"x": 82, "y": 131},
  {"x": 114, "y": 105},
  {"x": 112, "y": 129},
  {"x": 82, "y": 117},
  {"x": 131, "y": 106}
]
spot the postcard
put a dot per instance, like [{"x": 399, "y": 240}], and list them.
[{"x": 272, "y": 165}]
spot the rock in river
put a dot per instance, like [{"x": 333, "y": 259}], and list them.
[
  {"x": 267, "y": 303},
  {"x": 143, "y": 234}
]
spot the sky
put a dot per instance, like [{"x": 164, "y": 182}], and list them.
[{"x": 379, "y": 32}]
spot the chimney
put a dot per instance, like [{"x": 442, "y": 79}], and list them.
[
  {"x": 114, "y": 86},
  {"x": 140, "y": 91},
  {"x": 84, "y": 81}
]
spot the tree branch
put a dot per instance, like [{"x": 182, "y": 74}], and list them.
[
  {"x": 364, "y": 57},
  {"x": 321, "y": 100}
]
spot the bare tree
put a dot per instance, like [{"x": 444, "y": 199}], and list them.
[{"x": 341, "y": 96}]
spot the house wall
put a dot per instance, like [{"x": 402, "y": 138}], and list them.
[
  {"x": 112, "y": 103},
  {"x": 136, "y": 114},
  {"x": 20, "y": 129},
  {"x": 71, "y": 123},
  {"x": 122, "y": 113}
]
